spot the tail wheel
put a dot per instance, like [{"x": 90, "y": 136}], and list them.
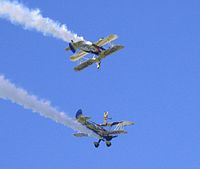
[
  {"x": 96, "y": 144},
  {"x": 108, "y": 143}
]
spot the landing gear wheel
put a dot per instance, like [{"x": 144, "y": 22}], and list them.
[
  {"x": 98, "y": 65},
  {"x": 108, "y": 143},
  {"x": 96, "y": 144}
]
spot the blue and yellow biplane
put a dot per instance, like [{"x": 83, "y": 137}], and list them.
[
  {"x": 97, "y": 49},
  {"x": 106, "y": 131}
]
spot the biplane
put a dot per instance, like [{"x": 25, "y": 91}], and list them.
[
  {"x": 97, "y": 49},
  {"x": 106, "y": 131}
]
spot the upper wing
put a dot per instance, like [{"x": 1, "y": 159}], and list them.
[
  {"x": 110, "y": 124},
  {"x": 78, "y": 56},
  {"x": 85, "y": 64},
  {"x": 125, "y": 123},
  {"x": 117, "y": 132},
  {"x": 121, "y": 123},
  {"x": 106, "y": 40},
  {"x": 117, "y": 123}
]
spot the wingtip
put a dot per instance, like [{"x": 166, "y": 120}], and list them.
[{"x": 115, "y": 35}]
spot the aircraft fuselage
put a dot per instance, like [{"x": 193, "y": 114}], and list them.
[
  {"x": 103, "y": 133},
  {"x": 94, "y": 49}
]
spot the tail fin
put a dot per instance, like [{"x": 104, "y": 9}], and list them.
[
  {"x": 79, "y": 113},
  {"x": 71, "y": 47}
]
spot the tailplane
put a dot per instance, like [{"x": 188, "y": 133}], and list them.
[{"x": 73, "y": 46}]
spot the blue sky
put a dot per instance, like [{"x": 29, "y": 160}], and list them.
[{"x": 154, "y": 82}]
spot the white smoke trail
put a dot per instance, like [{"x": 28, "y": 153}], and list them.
[
  {"x": 9, "y": 91},
  {"x": 32, "y": 19}
]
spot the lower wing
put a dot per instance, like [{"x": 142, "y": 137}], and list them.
[
  {"x": 114, "y": 132},
  {"x": 78, "y": 56},
  {"x": 80, "y": 135},
  {"x": 85, "y": 64},
  {"x": 110, "y": 51}
]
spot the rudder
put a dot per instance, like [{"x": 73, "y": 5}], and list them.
[{"x": 79, "y": 113}]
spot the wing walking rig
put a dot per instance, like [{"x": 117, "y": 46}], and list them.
[{"x": 106, "y": 131}]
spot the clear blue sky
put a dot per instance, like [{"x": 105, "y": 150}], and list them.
[{"x": 154, "y": 82}]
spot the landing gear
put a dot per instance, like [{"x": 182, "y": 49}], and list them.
[
  {"x": 108, "y": 143},
  {"x": 98, "y": 65},
  {"x": 96, "y": 144}
]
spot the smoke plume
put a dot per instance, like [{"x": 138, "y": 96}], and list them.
[
  {"x": 8, "y": 91},
  {"x": 32, "y": 19}
]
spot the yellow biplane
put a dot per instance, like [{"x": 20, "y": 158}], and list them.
[
  {"x": 97, "y": 49},
  {"x": 106, "y": 131}
]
